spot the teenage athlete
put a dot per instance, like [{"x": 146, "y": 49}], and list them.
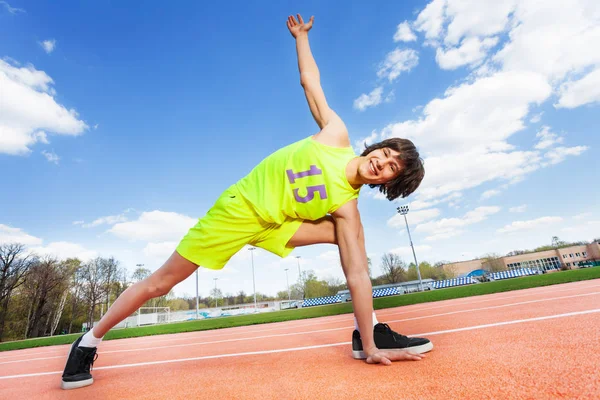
[{"x": 303, "y": 194}]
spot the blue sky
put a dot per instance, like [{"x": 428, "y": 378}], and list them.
[{"x": 121, "y": 124}]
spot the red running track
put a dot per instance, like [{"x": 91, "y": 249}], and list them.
[{"x": 541, "y": 343}]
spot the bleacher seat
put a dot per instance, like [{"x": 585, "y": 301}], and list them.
[
  {"x": 512, "y": 273},
  {"x": 453, "y": 282},
  {"x": 319, "y": 301},
  {"x": 391, "y": 291}
]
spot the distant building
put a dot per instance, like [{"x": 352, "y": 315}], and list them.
[{"x": 571, "y": 257}]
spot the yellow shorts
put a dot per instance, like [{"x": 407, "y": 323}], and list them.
[{"x": 230, "y": 224}]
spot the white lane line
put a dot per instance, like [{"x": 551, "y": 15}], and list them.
[
  {"x": 340, "y": 319},
  {"x": 350, "y": 317},
  {"x": 251, "y": 353},
  {"x": 314, "y": 331}
]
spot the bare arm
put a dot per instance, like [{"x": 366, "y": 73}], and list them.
[
  {"x": 333, "y": 129},
  {"x": 354, "y": 262},
  {"x": 350, "y": 237}
]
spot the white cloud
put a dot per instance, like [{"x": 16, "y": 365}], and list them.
[
  {"x": 552, "y": 38},
  {"x": 558, "y": 154},
  {"x": 160, "y": 251},
  {"x": 585, "y": 215},
  {"x": 330, "y": 257},
  {"x": 547, "y": 138},
  {"x": 360, "y": 144},
  {"x": 414, "y": 217},
  {"x": 431, "y": 19},
  {"x": 369, "y": 100},
  {"x": 390, "y": 97},
  {"x": 404, "y": 33},
  {"x": 396, "y": 62},
  {"x": 530, "y": 224},
  {"x": 587, "y": 230},
  {"x": 536, "y": 118},
  {"x": 497, "y": 101},
  {"x": 16, "y": 235},
  {"x": 456, "y": 172},
  {"x": 51, "y": 156},
  {"x": 155, "y": 226},
  {"x": 471, "y": 52},
  {"x": 48, "y": 45},
  {"x": 518, "y": 209},
  {"x": 584, "y": 91},
  {"x": 495, "y": 105},
  {"x": 108, "y": 220},
  {"x": 448, "y": 227},
  {"x": 11, "y": 10},
  {"x": 420, "y": 204},
  {"x": 63, "y": 250},
  {"x": 32, "y": 110},
  {"x": 476, "y": 18},
  {"x": 490, "y": 193}
]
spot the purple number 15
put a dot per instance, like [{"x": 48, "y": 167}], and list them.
[{"x": 310, "y": 190}]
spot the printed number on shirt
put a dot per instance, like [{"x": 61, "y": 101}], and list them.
[{"x": 310, "y": 190}]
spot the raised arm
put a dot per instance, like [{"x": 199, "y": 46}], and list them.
[{"x": 332, "y": 127}]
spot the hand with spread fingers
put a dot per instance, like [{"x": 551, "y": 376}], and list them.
[
  {"x": 298, "y": 27},
  {"x": 386, "y": 357}
]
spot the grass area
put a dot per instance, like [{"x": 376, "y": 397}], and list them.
[{"x": 335, "y": 309}]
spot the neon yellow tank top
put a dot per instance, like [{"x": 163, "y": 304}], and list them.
[{"x": 305, "y": 180}]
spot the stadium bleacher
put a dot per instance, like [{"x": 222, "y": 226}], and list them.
[
  {"x": 513, "y": 273},
  {"x": 454, "y": 282},
  {"x": 393, "y": 291}
]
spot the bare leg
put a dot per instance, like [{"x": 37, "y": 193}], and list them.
[
  {"x": 173, "y": 271},
  {"x": 321, "y": 231}
]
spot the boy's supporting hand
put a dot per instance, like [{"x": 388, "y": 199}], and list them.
[
  {"x": 385, "y": 357},
  {"x": 298, "y": 28}
]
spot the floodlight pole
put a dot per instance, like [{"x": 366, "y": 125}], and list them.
[
  {"x": 253, "y": 280},
  {"x": 404, "y": 210},
  {"x": 288, "y": 283},
  {"x": 299, "y": 273}
]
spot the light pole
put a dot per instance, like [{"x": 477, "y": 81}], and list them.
[
  {"x": 404, "y": 210},
  {"x": 253, "y": 279},
  {"x": 216, "y": 297},
  {"x": 299, "y": 273},
  {"x": 288, "y": 283},
  {"x": 300, "y": 277}
]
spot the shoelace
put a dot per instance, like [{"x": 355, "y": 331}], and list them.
[
  {"x": 396, "y": 335},
  {"x": 88, "y": 359}
]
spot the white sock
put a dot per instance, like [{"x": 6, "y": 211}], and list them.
[
  {"x": 89, "y": 340},
  {"x": 375, "y": 322}
]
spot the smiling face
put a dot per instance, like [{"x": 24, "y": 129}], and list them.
[{"x": 380, "y": 166}]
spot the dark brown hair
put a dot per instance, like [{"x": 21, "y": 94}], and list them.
[{"x": 412, "y": 173}]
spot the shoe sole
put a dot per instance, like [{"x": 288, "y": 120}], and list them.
[
  {"x": 75, "y": 384},
  {"x": 424, "y": 348}
]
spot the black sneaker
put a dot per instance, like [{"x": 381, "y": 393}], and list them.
[
  {"x": 386, "y": 338},
  {"x": 79, "y": 363}
]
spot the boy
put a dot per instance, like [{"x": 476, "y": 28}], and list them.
[{"x": 305, "y": 193}]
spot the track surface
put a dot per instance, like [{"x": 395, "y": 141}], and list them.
[{"x": 541, "y": 343}]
